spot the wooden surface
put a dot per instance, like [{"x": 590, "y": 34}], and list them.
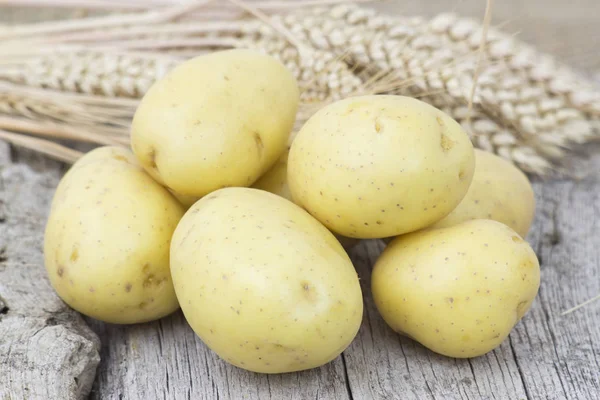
[
  {"x": 46, "y": 350},
  {"x": 47, "y": 346}
]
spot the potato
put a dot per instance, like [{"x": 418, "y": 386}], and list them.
[
  {"x": 264, "y": 284},
  {"x": 380, "y": 166},
  {"x": 499, "y": 191},
  {"x": 217, "y": 120},
  {"x": 186, "y": 201},
  {"x": 275, "y": 181},
  {"x": 107, "y": 239},
  {"x": 459, "y": 290}
]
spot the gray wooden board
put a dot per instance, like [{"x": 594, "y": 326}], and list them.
[
  {"x": 46, "y": 349},
  {"x": 546, "y": 357},
  {"x": 48, "y": 352}
]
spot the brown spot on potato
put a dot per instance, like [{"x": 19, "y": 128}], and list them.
[
  {"x": 146, "y": 268},
  {"x": 92, "y": 290},
  {"x": 308, "y": 291},
  {"x": 152, "y": 158},
  {"x": 149, "y": 281},
  {"x": 128, "y": 287},
  {"x": 521, "y": 308},
  {"x": 119, "y": 157},
  {"x": 143, "y": 305},
  {"x": 446, "y": 143},
  {"x": 378, "y": 126},
  {"x": 461, "y": 175},
  {"x": 74, "y": 255},
  {"x": 60, "y": 271},
  {"x": 260, "y": 146},
  {"x": 280, "y": 347}
]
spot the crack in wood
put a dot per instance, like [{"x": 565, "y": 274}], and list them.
[
  {"x": 3, "y": 306},
  {"x": 474, "y": 376},
  {"x": 521, "y": 375},
  {"x": 346, "y": 378},
  {"x": 13, "y": 154}
]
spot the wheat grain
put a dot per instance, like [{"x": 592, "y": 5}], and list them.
[
  {"x": 527, "y": 107},
  {"x": 92, "y": 73},
  {"x": 513, "y": 92}
]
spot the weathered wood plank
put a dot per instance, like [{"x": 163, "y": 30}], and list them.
[
  {"x": 559, "y": 356},
  {"x": 46, "y": 349},
  {"x": 44, "y": 346},
  {"x": 165, "y": 359},
  {"x": 399, "y": 368},
  {"x": 546, "y": 357}
]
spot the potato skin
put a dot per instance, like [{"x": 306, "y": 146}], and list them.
[
  {"x": 217, "y": 120},
  {"x": 264, "y": 284},
  {"x": 380, "y": 166},
  {"x": 499, "y": 191},
  {"x": 275, "y": 181},
  {"x": 459, "y": 290},
  {"x": 107, "y": 239}
]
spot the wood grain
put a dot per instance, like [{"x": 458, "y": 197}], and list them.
[
  {"x": 546, "y": 356},
  {"x": 46, "y": 349},
  {"x": 47, "y": 352}
]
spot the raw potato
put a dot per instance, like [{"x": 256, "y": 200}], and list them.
[
  {"x": 499, "y": 191},
  {"x": 186, "y": 201},
  {"x": 217, "y": 120},
  {"x": 264, "y": 284},
  {"x": 380, "y": 166},
  {"x": 275, "y": 181},
  {"x": 107, "y": 239},
  {"x": 459, "y": 291}
]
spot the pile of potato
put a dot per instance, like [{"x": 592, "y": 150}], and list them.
[{"x": 260, "y": 273}]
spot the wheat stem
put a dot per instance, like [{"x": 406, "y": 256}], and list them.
[
  {"x": 118, "y": 103},
  {"x": 54, "y": 150},
  {"x": 577, "y": 307},
  {"x": 133, "y": 5},
  {"x": 86, "y": 4},
  {"x": 187, "y": 28},
  {"x": 277, "y": 27},
  {"x": 484, "y": 32},
  {"x": 169, "y": 43},
  {"x": 56, "y": 131},
  {"x": 149, "y": 17}
]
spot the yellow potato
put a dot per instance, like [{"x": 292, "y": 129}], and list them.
[
  {"x": 186, "y": 201},
  {"x": 499, "y": 191},
  {"x": 380, "y": 166},
  {"x": 107, "y": 239},
  {"x": 217, "y": 120},
  {"x": 459, "y": 290},
  {"x": 275, "y": 181},
  {"x": 264, "y": 284}
]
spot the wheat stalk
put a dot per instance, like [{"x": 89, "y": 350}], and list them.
[
  {"x": 534, "y": 118},
  {"x": 527, "y": 111},
  {"x": 54, "y": 150}
]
